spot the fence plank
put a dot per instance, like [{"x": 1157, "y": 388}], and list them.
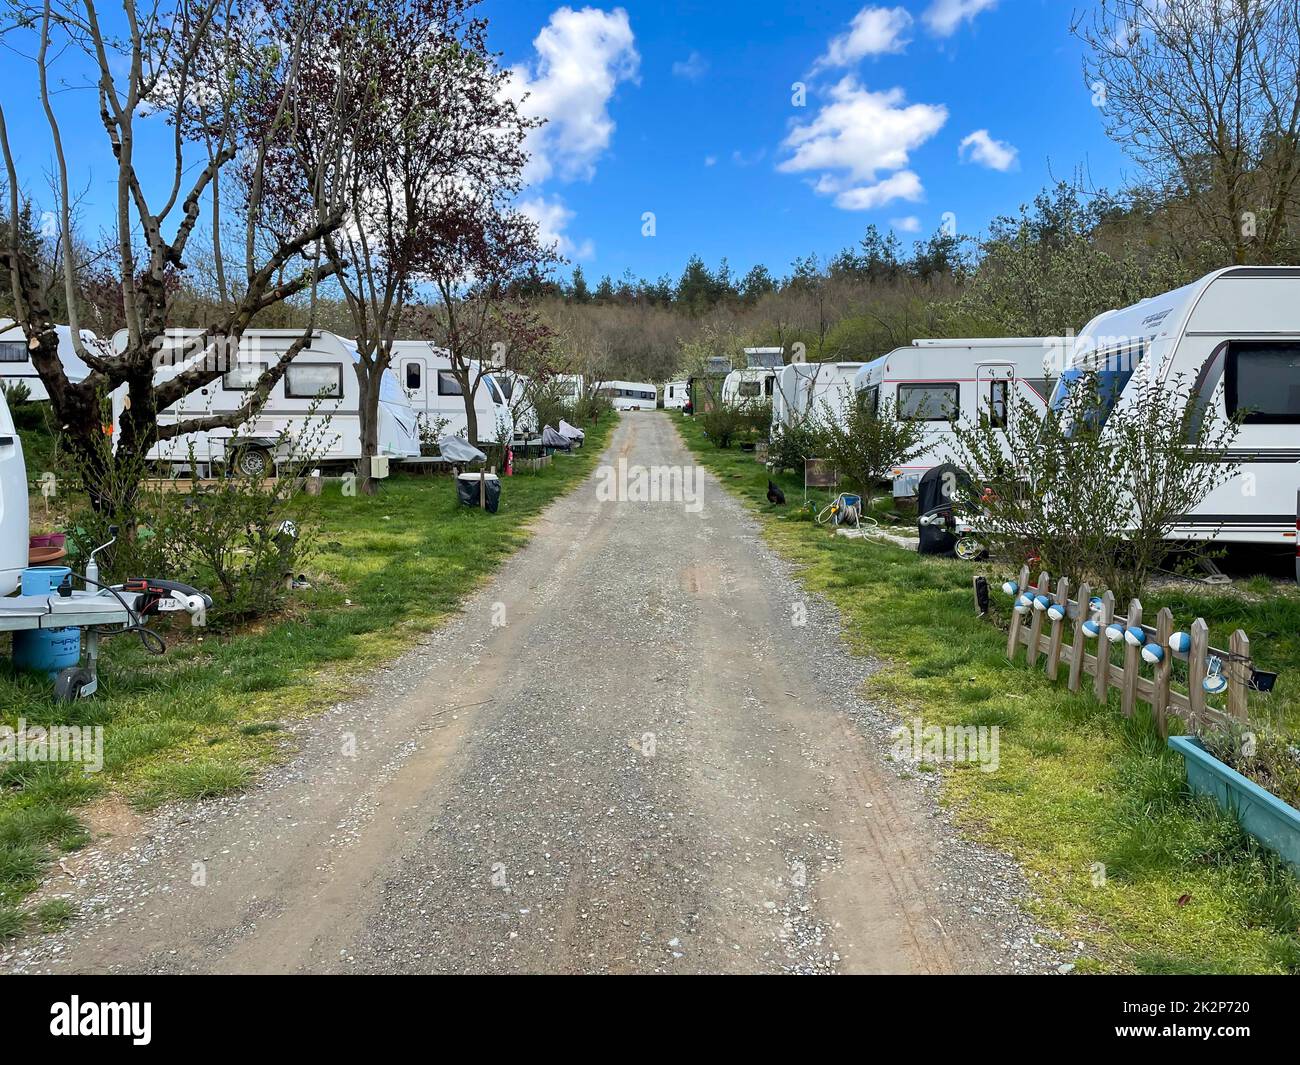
[
  {"x": 1017, "y": 618},
  {"x": 1238, "y": 675},
  {"x": 1132, "y": 657},
  {"x": 1036, "y": 626},
  {"x": 1196, "y": 673},
  {"x": 1058, "y": 630},
  {"x": 1079, "y": 645},
  {"x": 1101, "y": 670},
  {"x": 1160, "y": 705}
]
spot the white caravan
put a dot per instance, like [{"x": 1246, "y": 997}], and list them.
[
  {"x": 676, "y": 394},
  {"x": 804, "y": 391},
  {"x": 570, "y": 386},
  {"x": 1232, "y": 339},
  {"x": 752, "y": 385},
  {"x": 517, "y": 388},
  {"x": 13, "y": 503},
  {"x": 320, "y": 382},
  {"x": 630, "y": 395},
  {"x": 15, "y": 359},
  {"x": 425, "y": 372},
  {"x": 941, "y": 381}
]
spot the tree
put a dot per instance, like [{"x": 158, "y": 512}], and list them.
[
  {"x": 1095, "y": 487},
  {"x": 1206, "y": 97},
  {"x": 435, "y": 125},
  {"x": 863, "y": 443},
  {"x": 578, "y": 290},
  {"x": 223, "y": 75}
]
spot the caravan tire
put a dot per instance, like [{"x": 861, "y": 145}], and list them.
[{"x": 254, "y": 462}]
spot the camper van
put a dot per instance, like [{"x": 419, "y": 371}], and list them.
[
  {"x": 630, "y": 395},
  {"x": 676, "y": 394},
  {"x": 13, "y": 503},
  {"x": 939, "y": 382},
  {"x": 320, "y": 382},
  {"x": 16, "y": 366},
  {"x": 425, "y": 372},
  {"x": 804, "y": 391},
  {"x": 1233, "y": 340}
]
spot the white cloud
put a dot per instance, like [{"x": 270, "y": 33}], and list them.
[
  {"x": 910, "y": 224},
  {"x": 581, "y": 58},
  {"x": 710, "y": 160},
  {"x": 692, "y": 68},
  {"x": 983, "y": 149},
  {"x": 873, "y": 31},
  {"x": 855, "y": 137},
  {"x": 944, "y": 16},
  {"x": 552, "y": 219}
]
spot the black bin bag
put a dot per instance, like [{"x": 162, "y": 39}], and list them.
[{"x": 467, "y": 490}]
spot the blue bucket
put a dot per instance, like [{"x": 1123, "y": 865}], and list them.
[{"x": 43, "y": 580}]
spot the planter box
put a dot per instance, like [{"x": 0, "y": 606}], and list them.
[{"x": 1262, "y": 814}]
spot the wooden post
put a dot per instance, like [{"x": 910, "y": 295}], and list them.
[
  {"x": 482, "y": 490},
  {"x": 1036, "y": 626},
  {"x": 1079, "y": 647},
  {"x": 1160, "y": 695},
  {"x": 1238, "y": 675},
  {"x": 1058, "y": 629},
  {"x": 1101, "y": 679},
  {"x": 1132, "y": 660},
  {"x": 1017, "y": 618},
  {"x": 1196, "y": 672}
]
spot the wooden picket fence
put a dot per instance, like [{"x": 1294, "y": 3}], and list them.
[{"x": 1135, "y": 680}]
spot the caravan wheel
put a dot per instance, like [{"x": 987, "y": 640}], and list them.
[{"x": 253, "y": 462}]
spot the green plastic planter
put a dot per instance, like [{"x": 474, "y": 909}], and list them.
[{"x": 1261, "y": 813}]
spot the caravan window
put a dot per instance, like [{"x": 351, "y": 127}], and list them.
[
  {"x": 1262, "y": 381},
  {"x": 448, "y": 385},
  {"x": 928, "y": 403},
  {"x": 412, "y": 375},
  {"x": 749, "y": 389},
  {"x": 13, "y": 351},
  {"x": 999, "y": 403},
  {"x": 309, "y": 380},
  {"x": 243, "y": 376}
]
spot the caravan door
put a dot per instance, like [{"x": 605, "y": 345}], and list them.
[{"x": 414, "y": 375}]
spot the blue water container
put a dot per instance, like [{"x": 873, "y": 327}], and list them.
[{"x": 46, "y": 650}]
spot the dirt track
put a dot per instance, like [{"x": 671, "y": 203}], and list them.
[{"x": 646, "y": 768}]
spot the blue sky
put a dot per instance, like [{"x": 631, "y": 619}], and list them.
[
  {"x": 911, "y": 109},
  {"x": 695, "y": 122}
]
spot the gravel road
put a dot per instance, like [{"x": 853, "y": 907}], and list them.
[{"x": 625, "y": 755}]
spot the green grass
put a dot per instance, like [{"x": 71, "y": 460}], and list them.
[
  {"x": 203, "y": 719},
  {"x": 1079, "y": 787}
]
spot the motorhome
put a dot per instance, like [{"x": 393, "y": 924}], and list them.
[
  {"x": 425, "y": 372},
  {"x": 13, "y": 503},
  {"x": 630, "y": 395},
  {"x": 16, "y": 365},
  {"x": 320, "y": 382},
  {"x": 805, "y": 391},
  {"x": 1230, "y": 341},
  {"x": 676, "y": 394},
  {"x": 939, "y": 382}
]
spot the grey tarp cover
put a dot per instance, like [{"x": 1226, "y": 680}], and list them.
[
  {"x": 550, "y": 438},
  {"x": 456, "y": 449},
  {"x": 572, "y": 432}
]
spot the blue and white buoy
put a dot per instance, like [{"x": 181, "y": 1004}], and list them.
[
  {"x": 1114, "y": 632},
  {"x": 1134, "y": 636},
  {"x": 1091, "y": 627},
  {"x": 1180, "y": 643},
  {"x": 1056, "y": 612},
  {"x": 1153, "y": 653},
  {"x": 1041, "y": 602},
  {"x": 1010, "y": 588}
]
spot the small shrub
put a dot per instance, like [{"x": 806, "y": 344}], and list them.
[
  {"x": 865, "y": 444},
  {"x": 791, "y": 446},
  {"x": 723, "y": 423}
]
